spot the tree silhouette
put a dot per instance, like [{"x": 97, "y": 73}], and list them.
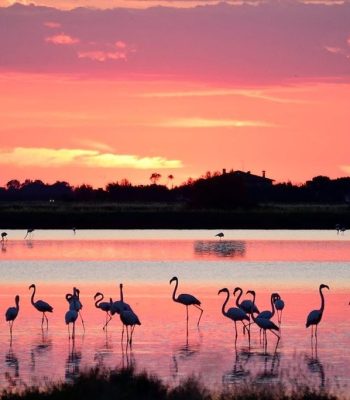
[
  {"x": 170, "y": 179},
  {"x": 155, "y": 177}
]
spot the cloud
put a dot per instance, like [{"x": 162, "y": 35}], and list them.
[
  {"x": 52, "y": 24},
  {"x": 256, "y": 94},
  {"x": 62, "y": 38},
  {"x": 118, "y": 51},
  {"x": 92, "y": 144},
  {"x": 211, "y": 123},
  {"x": 44, "y": 157}
]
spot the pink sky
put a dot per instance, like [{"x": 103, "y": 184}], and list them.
[{"x": 95, "y": 96}]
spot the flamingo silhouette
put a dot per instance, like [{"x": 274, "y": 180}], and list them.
[
  {"x": 11, "y": 314},
  {"x": 234, "y": 313},
  {"x": 279, "y": 305},
  {"x": 3, "y": 236},
  {"x": 315, "y": 316},
  {"x": 41, "y": 306},
  {"x": 75, "y": 300},
  {"x": 71, "y": 316},
  {"x": 264, "y": 324},
  {"x": 119, "y": 305},
  {"x": 186, "y": 299},
  {"x": 29, "y": 233},
  {"x": 104, "y": 306},
  {"x": 129, "y": 318},
  {"x": 220, "y": 235}
]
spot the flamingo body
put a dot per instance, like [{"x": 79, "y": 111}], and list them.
[
  {"x": 313, "y": 318},
  {"x": 71, "y": 316},
  {"x": 12, "y": 312},
  {"x": 119, "y": 305},
  {"x": 279, "y": 304}
]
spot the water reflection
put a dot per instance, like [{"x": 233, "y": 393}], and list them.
[
  {"x": 239, "y": 371},
  {"x": 271, "y": 364},
  {"x": 183, "y": 353},
  {"x": 104, "y": 350},
  {"x": 315, "y": 366},
  {"x": 72, "y": 366},
  {"x": 223, "y": 248},
  {"x": 12, "y": 374},
  {"x": 40, "y": 348}
]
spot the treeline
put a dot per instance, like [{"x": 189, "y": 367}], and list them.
[{"x": 225, "y": 190}]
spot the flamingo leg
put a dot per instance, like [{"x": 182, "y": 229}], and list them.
[
  {"x": 236, "y": 335},
  {"x": 127, "y": 334},
  {"x": 316, "y": 331},
  {"x": 47, "y": 321},
  {"x": 82, "y": 321},
  {"x": 73, "y": 334},
  {"x": 201, "y": 310},
  {"x": 42, "y": 320},
  {"x": 132, "y": 331},
  {"x": 107, "y": 320},
  {"x": 68, "y": 332}
]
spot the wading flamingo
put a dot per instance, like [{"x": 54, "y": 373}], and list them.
[
  {"x": 315, "y": 316},
  {"x": 186, "y": 299},
  {"x": 3, "y": 236},
  {"x": 104, "y": 306},
  {"x": 234, "y": 313},
  {"x": 279, "y": 304},
  {"x": 119, "y": 305},
  {"x": 29, "y": 233},
  {"x": 41, "y": 306},
  {"x": 11, "y": 314},
  {"x": 129, "y": 318},
  {"x": 264, "y": 324}
]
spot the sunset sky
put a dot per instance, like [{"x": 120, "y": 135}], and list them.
[{"x": 124, "y": 88}]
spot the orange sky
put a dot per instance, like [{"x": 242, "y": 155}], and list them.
[{"x": 87, "y": 123}]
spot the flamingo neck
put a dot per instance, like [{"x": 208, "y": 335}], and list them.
[
  {"x": 121, "y": 293},
  {"x": 252, "y": 314},
  {"x": 99, "y": 299},
  {"x": 33, "y": 294},
  {"x": 239, "y": 296},
  {"x": 174, "y": 292},
  {"x": 17, "y": 304},
  {"x": 273, "y": 306},
  {"x": 322, "y": 301},
  {"x": 225, "y": 302}
]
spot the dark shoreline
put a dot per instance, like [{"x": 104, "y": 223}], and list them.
[{"x": 40, "y": 215}]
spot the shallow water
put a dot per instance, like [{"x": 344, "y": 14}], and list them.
[{"x": 293, "y": 263}]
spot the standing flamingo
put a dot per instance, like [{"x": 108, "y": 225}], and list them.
[
  {"x": 71, "y": 316},
  {"x": 41, "y": 306},
  {"x": 104, "y": 306},
  {"x": 264, "y": 324},
  {"x": 119, "y": 305},
  {"x": 220, "y": 235},
  {"x": 11, "y": 314},
  {"x": 279, "y": 304},
  {"x": 129, "y": 318},
  {"x": 186, "y": 299},
  {"x": 75, "y": 300},
  {"x": 234, "y": 313},
  {"x": 3, "y": 236},
  {"x": 315, "y": 316},
  {"x": 246, "y": 305}
]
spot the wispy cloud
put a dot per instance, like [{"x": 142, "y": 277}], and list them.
[
  {"x": 256, "y": 94},
  {"x": 117, "y": 51},
  {"x": 42, "y": 157},
  {"x": 93, "y": 144},
  {"x": 211, "y": 123},
  {"x": 52, "y": 24},
  {"x": 62, "y": 39}
]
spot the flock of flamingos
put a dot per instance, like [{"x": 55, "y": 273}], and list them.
[{"x": 245, "y": 311}]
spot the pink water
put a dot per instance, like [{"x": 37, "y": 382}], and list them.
[{"x": 292, "y": 263}]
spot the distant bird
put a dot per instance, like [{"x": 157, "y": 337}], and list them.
[
  {"x": 246, "y": 305},
  {"x": 119, "y": 305},
  {"x": 342, "y": 230},
  {"x": 129, "y": 318},
  {"x": 41, "y": 306},
  {"x": 264, "y": 324},
  {"x": 11, "y": 314},
  {"x": 74, "y": 230},
  {"x": 337, "y": 227},
  {"x": 315, "y": 316},
  {"x": 234, "y": 313},
  {"x": 220, "y": 235},
  {"x": 3, "y": 236},
  {"x": 279, "y": 304},
  {"x": 104, "y": 306},
  {"x": 186, "y": 300},
  {"x": 29, "y": 233}
]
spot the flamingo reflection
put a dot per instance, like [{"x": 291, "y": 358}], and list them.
[
  {"x": 315, "y": 366},
  {"x": 72, "y": 367},
  {"x": 239, "y": 370},
  {"x": 11, "y": 361},
  {"x": 42, "y": 347}
]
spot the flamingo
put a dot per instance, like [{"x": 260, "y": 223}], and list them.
[
  {"x": 234, "y": 313},
  {"x": 75, "y": 300},
  {"x": 220, "y": 235},
  {"x": 264, "y": 324},
  {"x": 104, "y": 306},
  {"x": 11, "y": 314},
  {"x": 315, "y": 316},
  {"x": 186, "y": 299},
  {"x": 129, "y": 318},
  {"x": 279, "y": 305},
  {"x": 41, "y": 306},
  {"x": 29, "y": 232},
  {"x": 246, "y": 305},
  {"x": 119, "y": 305},
  {"x": 3, "y": 236},
  {"x": 70, "y": 317}
]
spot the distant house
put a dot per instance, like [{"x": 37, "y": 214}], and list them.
[{"x": 251, "y": 180}]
